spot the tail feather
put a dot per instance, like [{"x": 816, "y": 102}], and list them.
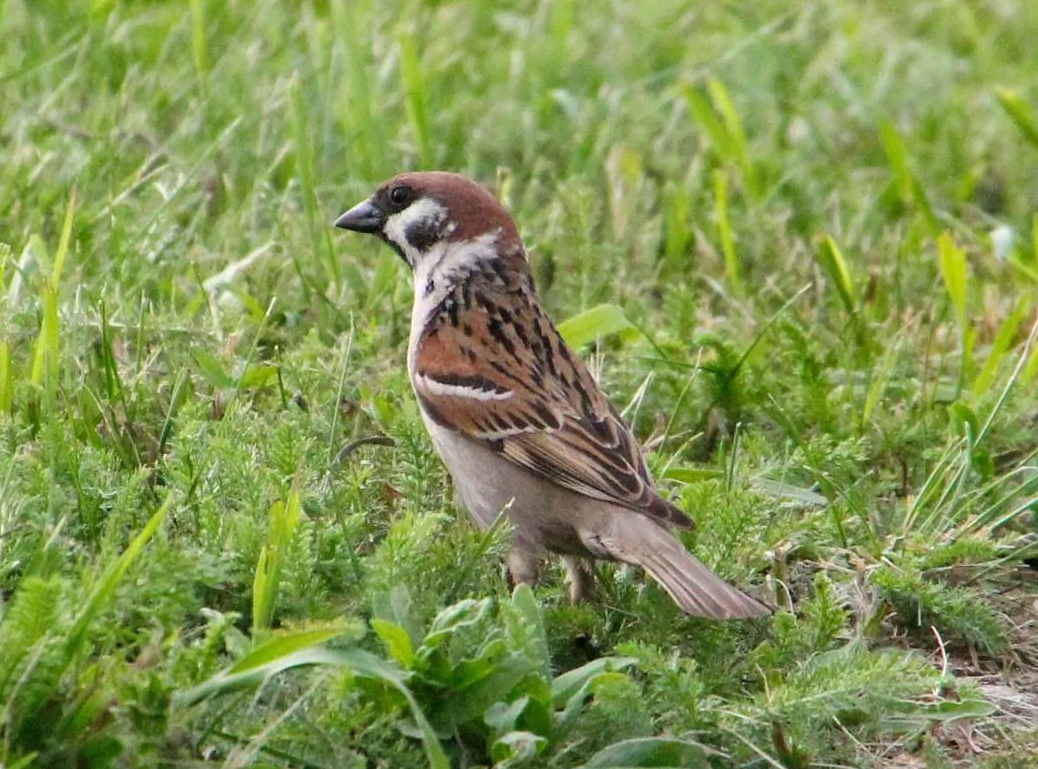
[{"x": 694, "y": 588}]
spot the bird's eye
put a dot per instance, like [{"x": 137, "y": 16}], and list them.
[{"x": 398, "y": 195}]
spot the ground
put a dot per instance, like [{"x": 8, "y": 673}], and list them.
[{"x": 797, "y": 242}]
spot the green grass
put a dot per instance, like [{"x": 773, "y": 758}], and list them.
[{"x": 799, "y": 242}]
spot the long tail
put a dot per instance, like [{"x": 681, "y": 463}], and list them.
[{"x": 696, "y": 589}]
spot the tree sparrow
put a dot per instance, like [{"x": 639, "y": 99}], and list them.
[{"x": 513, "y": 413}]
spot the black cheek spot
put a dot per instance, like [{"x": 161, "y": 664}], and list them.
[{"x": 422, "y": 235}]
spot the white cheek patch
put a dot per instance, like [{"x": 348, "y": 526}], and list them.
[{"x": 425, "y": 211}]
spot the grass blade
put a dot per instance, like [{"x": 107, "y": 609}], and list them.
[
  {"x": 415, "y": 91},
  {"x": 284, "y": 517},
  {"x": 303, "y": 144},
  {"x": 999, "y": 347},
  {"x": 736, "y": 135},
  {"x": 724, "y": 229},
  {"x": 6, "y": 378},
  {"x": 111, "y": 578},
  {"x": 830, "y": 259},
  {"x": 45, "y": 359},
  {"x": 301, "y": 650},
  {"x": 908, "y": 184},
  {"x": 1020, "y": 113},
  {"x": 198, "y": 46},
  {"x": 953, "y": 271}
]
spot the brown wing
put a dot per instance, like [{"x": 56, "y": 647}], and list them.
[{"x": 503, "y": 376}]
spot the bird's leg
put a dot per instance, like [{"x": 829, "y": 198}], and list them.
[
  {"x": 581, "y": 578},
  {"x": 523, "y": 567}
]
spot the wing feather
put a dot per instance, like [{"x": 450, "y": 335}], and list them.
[{"x": 512, "y": 385}]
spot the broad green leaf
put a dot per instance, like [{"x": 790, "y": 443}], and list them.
[
  {"x": 480, "y": 686},
  {"x": 693, "y": 474},
  {"x": 939, "y": 712},
  {"x": 787, "y": 491},
  {"x": 523, "y": 600},
  {"x": 502, "y": 716},
  {"x": 456, "y": 616},
  {"x": 517, "y": 746},
  {"x": 259, "y": 375},
  {"x": 255, "y": 673},
  {"x": 361, "y": 663},
  {"x": 565, "y": 717},
  {"x": 650, "y": 751},
  {"x": 578, "y": 330},
  {"x": 211, "y": 369},
  {"x": 568, "y": 684},
  {"x": 394, "y": 605},
  {"x": 285, "y": 645},
  {"x": 396, "y": 639},
  {"x": 949, "y": 710}
]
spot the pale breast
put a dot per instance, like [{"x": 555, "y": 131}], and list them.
[{"x": 543, "y": 514}]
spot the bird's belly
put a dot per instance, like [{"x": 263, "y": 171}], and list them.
[{"x": 543, "y": 515}]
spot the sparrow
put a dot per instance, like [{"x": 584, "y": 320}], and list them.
[{"x": 520, "y": 423}]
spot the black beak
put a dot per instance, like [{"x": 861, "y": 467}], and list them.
[{"x": 363, "y": 217}]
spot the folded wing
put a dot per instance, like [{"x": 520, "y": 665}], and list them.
[{"x": 511, "y": 383}]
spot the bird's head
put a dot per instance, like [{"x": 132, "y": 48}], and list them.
[{"x": 418, "y": 214}]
